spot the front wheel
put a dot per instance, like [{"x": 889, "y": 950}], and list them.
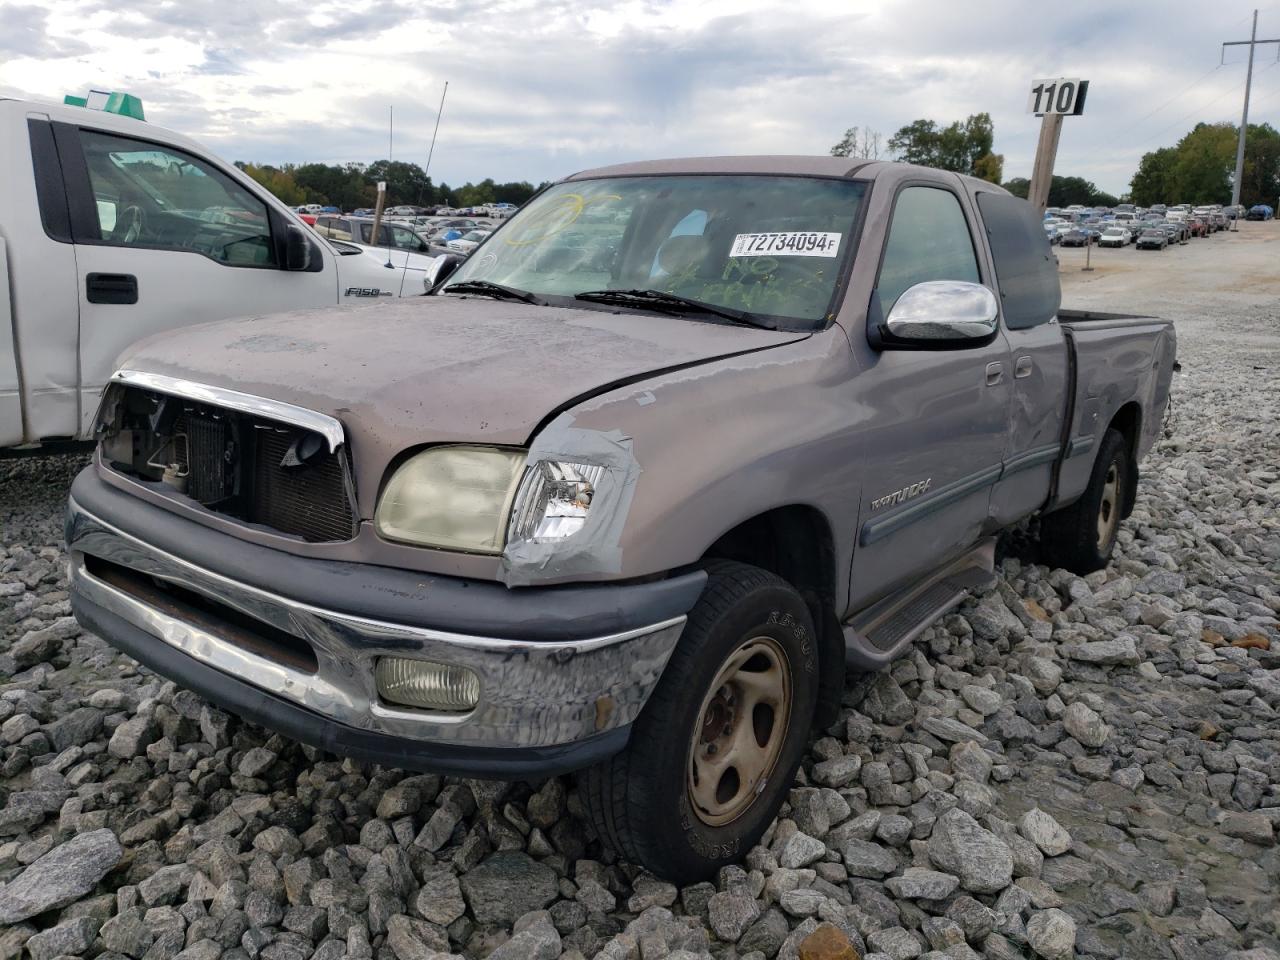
[
  {"x": 716, "y": 748},
  {"x": 1081, "y": 537}
]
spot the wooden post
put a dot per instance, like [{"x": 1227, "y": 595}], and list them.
[
  {"x": 377, "y": 218},
  {"x": 1046, "y": 153}
]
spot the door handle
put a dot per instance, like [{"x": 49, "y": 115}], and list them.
[
  {"x": 120, "y": 288},
  {"x": 995, "y": 373},
  {"x": 1022, "y": 368}
]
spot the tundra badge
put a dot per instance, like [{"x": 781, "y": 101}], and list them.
[{"x": 899, "y": 496}]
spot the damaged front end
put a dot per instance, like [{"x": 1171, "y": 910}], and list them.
[{"x": 235, "y": 456}]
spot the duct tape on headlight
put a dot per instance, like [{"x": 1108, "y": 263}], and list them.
[{"x": 597, "y": 547}]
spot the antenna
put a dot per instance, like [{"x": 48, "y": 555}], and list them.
[{"x": 439, "y": 113}]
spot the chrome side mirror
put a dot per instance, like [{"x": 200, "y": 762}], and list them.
[
  {"x": 936, "y": 311},
  {"x": 439, "y": 270}
]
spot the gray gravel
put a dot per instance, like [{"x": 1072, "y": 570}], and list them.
[{"x": 1066, "y": 767}]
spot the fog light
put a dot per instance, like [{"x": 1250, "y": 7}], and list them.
[{"x": 426, "y": 684}]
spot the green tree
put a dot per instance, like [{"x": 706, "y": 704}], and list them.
[
  {"x": 918, "y": 142},
  {"x": 1153, "y": 182},
  {"x": 279, "y": 182},
  {"x": 473, "y": 195},
  {"x": 1064, "y": 191},
  {"x": 962, "y": 146},
  {"x": 407, "y": 183},
  {"x": 1201, "y": 166},
  {"x": 1018, "y": 186},
  {"x": 1204, "y": 164},
  {"x": 989, "y": 167},
  {"x": 1260, "y": 182},
  {"x": 339, "y": 186}
]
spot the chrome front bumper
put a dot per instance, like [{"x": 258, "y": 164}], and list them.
[{"x": 533, "y": 694}]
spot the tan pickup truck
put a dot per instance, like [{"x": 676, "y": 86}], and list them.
[{"x": 629, "y": 492}]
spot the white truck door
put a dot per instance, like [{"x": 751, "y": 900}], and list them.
[
  {"x": 40, "y": 313},
  {"x": 10, "y": 388},
  {"x": 165, "y": 238}
]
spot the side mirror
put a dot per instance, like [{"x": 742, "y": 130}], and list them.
[
  {"x": 440, "y": 270},
  {"x": 940, "y": 313},
  {"x": 297, "y": 248}
]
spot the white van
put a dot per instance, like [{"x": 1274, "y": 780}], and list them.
[{"x": 112, "y": 229}]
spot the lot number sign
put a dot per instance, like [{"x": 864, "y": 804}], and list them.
[{"x": 1063, "y": 95}]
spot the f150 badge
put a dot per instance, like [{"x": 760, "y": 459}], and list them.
[
  {"x": 901, "y": 496},
  {"x": 366, "y": 292}
]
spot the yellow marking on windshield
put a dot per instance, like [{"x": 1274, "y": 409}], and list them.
[{"x": 568, "y": 207}]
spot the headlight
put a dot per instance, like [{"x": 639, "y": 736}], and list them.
[
  {"x": 454, "y": 497},
  {"x": 553, "y": 500}
]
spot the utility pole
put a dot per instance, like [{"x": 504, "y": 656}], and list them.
[{"x": 1252, "y": 42}]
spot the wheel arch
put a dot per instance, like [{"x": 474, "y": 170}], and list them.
[
  {"x": 1127, "y": 421},
  {"x": 796, "y": 543}
]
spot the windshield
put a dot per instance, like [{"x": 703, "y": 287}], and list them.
[{"x": 768, "y": 246}]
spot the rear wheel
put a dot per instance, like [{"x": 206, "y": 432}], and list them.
[
  {"x": 716, "y": 748},
  {"x": 1081, "y": 537}
]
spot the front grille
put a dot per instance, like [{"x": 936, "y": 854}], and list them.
[
  {"x": 255, "y": 470},
  {"x": 310, "y": 501}
]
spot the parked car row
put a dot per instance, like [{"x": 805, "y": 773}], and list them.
[{"x": 1152, "y": 230}]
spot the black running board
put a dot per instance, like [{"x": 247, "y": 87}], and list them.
[{"x": 878, "y": 635}]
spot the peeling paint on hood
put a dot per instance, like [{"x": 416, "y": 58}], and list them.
[{"x": 399, "y": 374}]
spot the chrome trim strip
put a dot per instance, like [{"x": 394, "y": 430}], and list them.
[
  {"x": 1031, "y": 458},
  {"x": 1079, "y": 445},
  {"x": 881, "y": 527},
  {"x": 532, "y": 693},
  {"x": 320, "y": 423}
]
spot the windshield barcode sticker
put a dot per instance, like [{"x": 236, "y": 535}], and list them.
[{"x": 788, "y": 244}]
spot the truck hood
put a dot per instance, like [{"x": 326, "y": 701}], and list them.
[{"x": 441, "y": 369}]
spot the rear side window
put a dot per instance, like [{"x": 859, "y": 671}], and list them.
[
  {"x": 338, "y": 229},
  {"x": 928, "y": 240},
  {"x": 148, "y": 195},
  {"x": 1026, "y": 270}
]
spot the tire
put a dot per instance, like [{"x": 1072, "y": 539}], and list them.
[
  {"x": 1081, "y": 537},
  {"x": 644, "y": 802}
]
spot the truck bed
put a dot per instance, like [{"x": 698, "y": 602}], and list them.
[
  {"x": 1074, "y": 317},
  {"x": 1122, "y": 365}
]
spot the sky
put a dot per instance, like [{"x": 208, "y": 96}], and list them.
[{"x": 539, "y": 89}]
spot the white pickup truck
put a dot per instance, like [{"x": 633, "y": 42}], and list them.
[{"x": 112, "y": 229}]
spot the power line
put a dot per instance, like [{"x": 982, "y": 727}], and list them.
[
  {"x": 1200, "y": 109},
  {"x": 1193, "y": 83}
]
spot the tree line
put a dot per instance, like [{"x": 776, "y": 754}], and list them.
[
  {"x": 352, "y": 185},
  {"x": 1198, "y": 169},
  {"x": 964, "y": 146}
]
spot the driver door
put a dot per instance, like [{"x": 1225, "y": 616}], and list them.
[{"x": 164, "y": 238}]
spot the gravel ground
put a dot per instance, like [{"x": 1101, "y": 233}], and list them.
[{"x": 1065, "y": 767}]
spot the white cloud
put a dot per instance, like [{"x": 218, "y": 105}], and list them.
[{"x": 539, "y": 88}]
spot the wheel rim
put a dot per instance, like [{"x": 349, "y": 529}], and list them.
[
  {"x": 1109, "y": 508},
  {"x": 740, "y": 730}
]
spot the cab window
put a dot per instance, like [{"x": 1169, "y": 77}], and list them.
[
  {"x": 928, "y": 240},
  {"x": 148, "y": 195},
  {"x": 401, "y": 238},
  {"x": 337, "y": 229}
]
